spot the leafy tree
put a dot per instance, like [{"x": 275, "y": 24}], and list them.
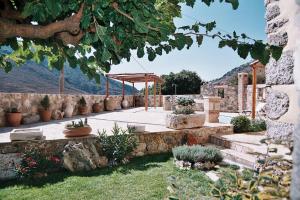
[
  {"x": 187, "y": 82},
  {"x": 107, "y": 31}
]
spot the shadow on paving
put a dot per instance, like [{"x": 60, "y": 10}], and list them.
[{"x": 136, "y": 164}]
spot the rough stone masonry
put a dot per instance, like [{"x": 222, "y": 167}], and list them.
[{"x": 283, "y": 78}]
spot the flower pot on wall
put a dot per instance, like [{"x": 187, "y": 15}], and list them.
[
  {"x": 78, "y": 132},
  {"x": 14, "y": 119},
  {"x": 45, "y": 115},
  {"x": 69, "y": 110},
  {"x": 97, "y": 107},
  {"x": 82, "y": 110},
  {"x": 110, "y": 104}
]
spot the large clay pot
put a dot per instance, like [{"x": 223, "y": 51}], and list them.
[
  {"x": 69, "y": 110},
  {"x": 45, "y": 115},
  {"x": 14, "y": 119},
  {"x": 97, "y": 107},
  {"x": 78, "y": 132},
  {"x": 110, "y": 104},
  {"x": 82, "y": 110},
  {"x": 125, "y": 104}
]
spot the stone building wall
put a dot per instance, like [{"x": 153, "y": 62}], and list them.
[
  {"x": 281, "y": 98},
  {"x": 29, "y": 103},
  {"x": 229, "y": 102}
]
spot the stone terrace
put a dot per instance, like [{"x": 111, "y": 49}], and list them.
[{"x": 154, "y": 120}]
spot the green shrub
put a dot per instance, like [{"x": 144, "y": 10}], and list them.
[
  {"x": 185, "y": 111},
  {"x": 118, "y": 145},
  {"x": 197, "y": 153},
  {"x": 240, "y": 124},
  {"x": 258, "y": 125},
  {"x": 185, "y": 101},
  {"x": 45, "y": 102}
]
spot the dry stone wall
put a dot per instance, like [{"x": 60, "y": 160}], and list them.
[{"x": 29, "y": 103}]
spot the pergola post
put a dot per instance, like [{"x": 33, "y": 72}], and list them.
[
  {"x": 154, "y": 93},
  {"x": 133, "y": 94},
  {"x": 160, "y": 103},
  {"x": 61, "y": 81},
  {"x": 123, "y": 89},
  {"x": 146, "y": 93},
  {"x": 253, "y": 91},
  {"x": 107, "y": 86}
]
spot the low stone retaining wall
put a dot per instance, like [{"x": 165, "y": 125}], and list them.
[
  {"x": 29, "y": 103},
  {"x": 148, "y": 143}
]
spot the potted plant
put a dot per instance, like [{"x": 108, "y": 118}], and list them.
[
  {"x": 45, "y": 112},
  {"x": 98, "y": 107},
  {"x": 184, "y": 103},
  {"x": 77, "y": 129},
  {"x": 13, "y": 117},
  {"x": 82, "y": 108}
]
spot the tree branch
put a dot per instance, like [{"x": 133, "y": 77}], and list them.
[{"x": 70, "y": 25}]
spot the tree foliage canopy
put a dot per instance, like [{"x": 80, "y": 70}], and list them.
[
  {"x": 107, "y": 31},
  {"x": 187, "y": 82}
]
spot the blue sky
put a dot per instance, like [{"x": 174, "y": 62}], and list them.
[{"x": 208, "y": 60}]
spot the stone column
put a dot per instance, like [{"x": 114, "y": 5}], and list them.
[
  {"x": 282, "y": 108},
  {"x": 212, "y": 109},
  {"x": 295, "y": 189},
  {"x": 242, "y": 91}
]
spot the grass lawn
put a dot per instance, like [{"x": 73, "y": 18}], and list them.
[{"x": 143, "y": 178}]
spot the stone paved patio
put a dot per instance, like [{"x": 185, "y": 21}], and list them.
[{"x": 154, "y": 120}]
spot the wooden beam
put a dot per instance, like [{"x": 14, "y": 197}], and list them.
[
  {"x": 154, "y": 93},
  {"x": 123, "y": 89},
  {"x": 146, "y": 93},
  {"x": 107, "y": 86},
  {"x": 133, "y": 94},
  {"x": 61, "y": 81},
  {"x": 253, "y": 92},
  {"x": 160, "y": 100}
]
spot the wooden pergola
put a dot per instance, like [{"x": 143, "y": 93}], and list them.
[
  {"x": 137, "y": 78},
  {"x": 256, "y": 64}
]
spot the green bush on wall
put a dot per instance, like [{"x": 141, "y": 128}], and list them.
[{"x": 197, "y": 153}]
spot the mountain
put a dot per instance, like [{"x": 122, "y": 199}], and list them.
[
  {"x": 36, "y": 78},
  {"x": 231, "y": 76}
]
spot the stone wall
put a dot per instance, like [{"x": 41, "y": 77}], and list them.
[
  {"x": 281, "y": 100},
  {"x": 229, "y": 103},
  {"x": 29, "y": 103},
  {"x": 148, "y": 143}
]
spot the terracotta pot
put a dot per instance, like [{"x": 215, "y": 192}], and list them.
[
  {"x": 82, "y": 110},
  {"x": 45, "y": 115},
  {"x": 110, "y": 104},
  {"x": 97, "y": 108},
  {"x": 14, "y": 119},
  {"x": 77, "y": 132}
]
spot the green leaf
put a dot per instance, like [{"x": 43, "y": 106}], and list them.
[
  {"x": 234, "y": 3},
  {"x": 243, "y": 50},
  {"x": 106, "y": 55},
  {"x": 199, "y": 39},
  {"x": 190, "y": 3},
  {"x": 276, "y": 52},
  {"x": 140, "y": 52}
]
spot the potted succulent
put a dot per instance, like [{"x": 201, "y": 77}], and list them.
[
  {"x": 13, "y": 117},
  {"x": 77, "y": 129},
  {"x": 45, "y": 112},
  {"x": 98, "y": 107},
  {"x": 82, "y": 108}
]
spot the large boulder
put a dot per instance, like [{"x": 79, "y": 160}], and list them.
[
  {"x": 182, "y": 121},
  {"x": 80, "y": 157}
]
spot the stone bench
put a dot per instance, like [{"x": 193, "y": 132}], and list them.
[{"x": 27, "y": 134}]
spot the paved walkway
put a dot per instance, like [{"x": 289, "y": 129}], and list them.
[{"x": 154, "y": 120}]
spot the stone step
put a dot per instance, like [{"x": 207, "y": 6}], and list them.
[
  {"x": 237, "y": 146},
  {"x": 242, "y": 159}
]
